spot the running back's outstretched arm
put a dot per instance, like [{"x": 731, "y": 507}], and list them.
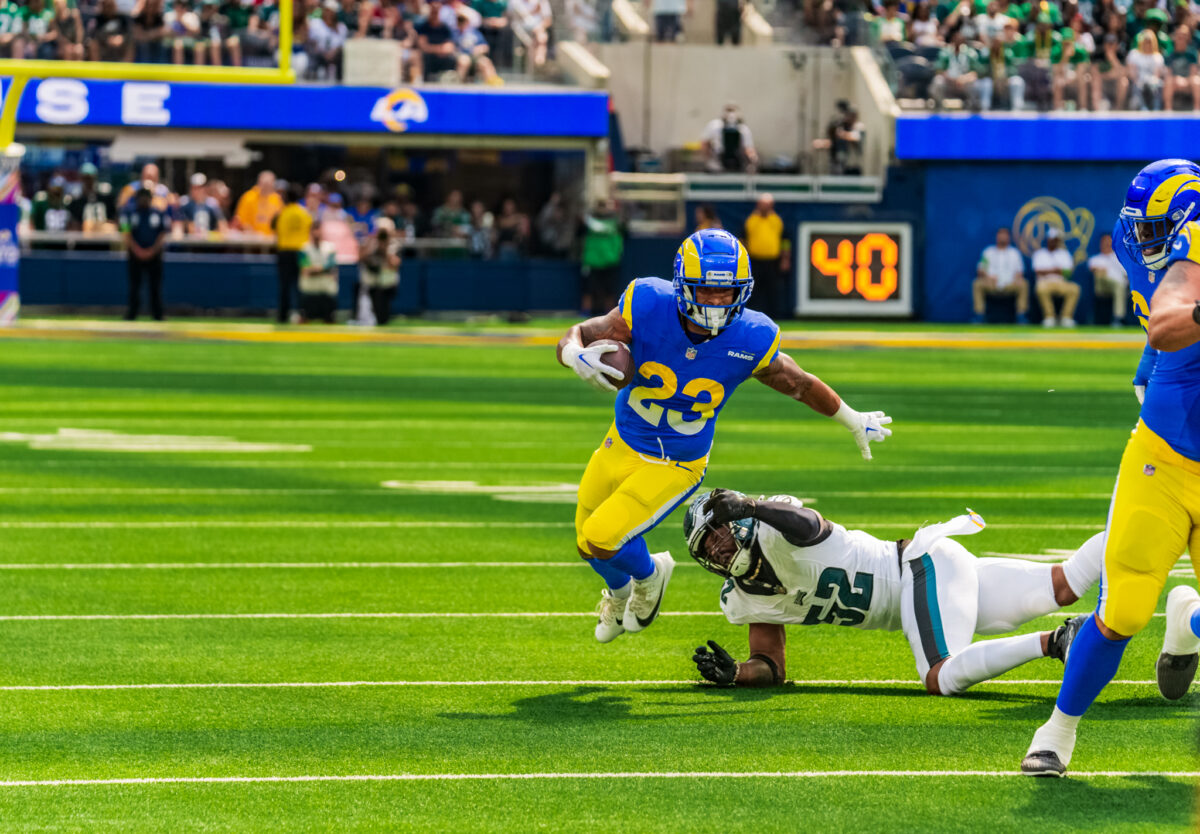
[{"x": 789, "y": 379}]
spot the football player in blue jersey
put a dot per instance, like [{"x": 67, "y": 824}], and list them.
[
  {"x": 1155, "y": 511},
  {"x": 693, "y": 342}
]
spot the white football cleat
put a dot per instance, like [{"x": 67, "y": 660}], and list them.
[
  {"x": 1068, "y": 322},
  {"x": 611, "y": 610},
  {"x": 647, "y": 594},
  {"x": 1176, "y": 667},
  {"x": 1049, "y": 752}
]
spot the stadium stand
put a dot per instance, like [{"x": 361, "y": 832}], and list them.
[{"x": 1046, "y": 55}]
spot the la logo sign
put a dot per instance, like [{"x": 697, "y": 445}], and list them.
[{"x": 398, "y": 108}]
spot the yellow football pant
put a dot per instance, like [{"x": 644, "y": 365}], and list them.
[
  {"x": 1153, "y": 520},
  {"x": 624, "y": 494}
]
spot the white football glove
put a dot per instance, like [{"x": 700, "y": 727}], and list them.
[
  {"x": 585, "y": 362},
  {"x": 867, "y": 427},
  {"x": 1139, "y": 391}
]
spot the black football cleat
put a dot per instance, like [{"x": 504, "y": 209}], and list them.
[
  {"x": 1042, "y": 763},
  {"x": 1062, "y": 637},
  {"x": 1175, "y": 674}
]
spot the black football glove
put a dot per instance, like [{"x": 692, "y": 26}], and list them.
[
  {"x": 727, "y": 505},
  {"x": 716, "y": 666}
]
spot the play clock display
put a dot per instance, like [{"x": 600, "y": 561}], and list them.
[{"x": 854, "y": 269}]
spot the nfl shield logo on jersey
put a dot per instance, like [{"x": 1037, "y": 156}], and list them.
[
  {"x": 1148, "y": 469},
  {"x": 690, "y": 353}
]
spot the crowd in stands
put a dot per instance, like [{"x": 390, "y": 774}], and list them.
[
  {"x": 328, "y": 223},
  {"x": 347, "y": 212},
  {"x": 455, "y": 39},
  {"x": 1077, "y": 54}
]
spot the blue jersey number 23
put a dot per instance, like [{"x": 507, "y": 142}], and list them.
[{"x": 642, "y": 399}]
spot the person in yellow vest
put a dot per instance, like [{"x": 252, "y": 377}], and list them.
[
  {"x": 770, "y": 256},
  {"x": 258, "y": 206},
  {"x": 292, "y": 226}
]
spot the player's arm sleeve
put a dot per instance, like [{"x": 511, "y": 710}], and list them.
[
  {"x": 801, "y": 526},
  {"x": 768, "y": 355},
  {"x": 625, "y": 305}
]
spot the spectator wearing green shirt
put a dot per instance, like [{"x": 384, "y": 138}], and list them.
[
  {"x": 1183, "y": 70},
  {"x": 493, "y": 25},
  {"x": 1071, "y": 71},
  {"x": 890, "y": 26},
  {"x": 41, "y": 33},
  {"x": 956, "y": 72},
  {"x": 998, "y": 72},
  {"x": 1108, "y": 72},
  {"x": 450, "y": 219},
  {"x": 12, "y": 28},
  {"x": 1040, "y": 50}
]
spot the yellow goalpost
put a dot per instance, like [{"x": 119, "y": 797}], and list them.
[
  {"x": 11, "y": 153},
  {"x": 22, "y": 71}
]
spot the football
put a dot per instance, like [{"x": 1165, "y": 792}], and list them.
[{"x": 620, "y": 359}]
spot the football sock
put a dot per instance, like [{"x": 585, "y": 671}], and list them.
[
  {"x": 1195, "y": 622},
  {"x": 985, "y": 660},
  {"x": 1091, "y": 664},
  {"x": 1082, "y": 570},
  {"x": 613, "y": 577},
  {"x": 1057, "y": 734},
  {"x": 634, "y": 559},
  {"x": 1012, "y": 592}
]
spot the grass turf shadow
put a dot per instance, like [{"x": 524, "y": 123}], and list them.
[{"x": 1090, "y": 805}]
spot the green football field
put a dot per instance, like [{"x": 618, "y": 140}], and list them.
[{"x": 256, "y": 585}]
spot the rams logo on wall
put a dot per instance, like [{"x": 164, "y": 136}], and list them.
[
  {"x": 399, "y": 108},
  {"x": 1041, "y": 214}
]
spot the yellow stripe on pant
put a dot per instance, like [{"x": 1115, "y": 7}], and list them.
[
  {"x": 623, "y": 494},
  {"x": 1154, "y": 519}
]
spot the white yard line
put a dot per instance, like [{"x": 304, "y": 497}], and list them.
[
  {"x": 493, "y": 777},
  {"x": 362, "y": 615},
  {"x": 487, "y": 489},
  {"x": 579, "y": 465},
  {"x": 335, "y": 615},
  {"x": 100, "y": 687},
  {"x": 331, "y": 524},
  {"x": 21, "y": 566},
  {"x": 273, "y": 523}
]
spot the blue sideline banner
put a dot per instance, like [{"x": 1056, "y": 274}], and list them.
[
  {"x": 966, "y": 203},
  {"x": 299, "y": 108},
  {"x": 1136, "y": 137}
]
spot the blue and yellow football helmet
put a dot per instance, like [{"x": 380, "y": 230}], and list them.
[
  {"x": 712, "y": 258},
  {"x": 1162, "y": 197}
]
